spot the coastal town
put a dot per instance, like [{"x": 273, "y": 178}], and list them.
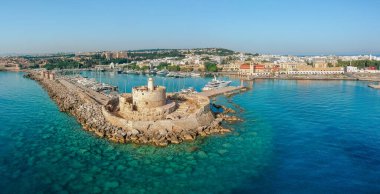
[{"x": 195, "y": 62}]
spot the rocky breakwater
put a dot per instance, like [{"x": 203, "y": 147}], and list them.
[
  {"x": 73, "y": 100},
  {"x": 104, "y": 121}
]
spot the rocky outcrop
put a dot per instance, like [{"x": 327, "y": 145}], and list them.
[{"x": 91, "y": 115}]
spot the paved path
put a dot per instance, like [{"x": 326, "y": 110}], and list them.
[
  {"x": 98, "y": 97},
  {"x": 216, "y": 92}
]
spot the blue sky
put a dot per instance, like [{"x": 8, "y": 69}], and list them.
[{"x": 279, "y": 27}]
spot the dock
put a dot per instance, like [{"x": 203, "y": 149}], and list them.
[
  {"x": 375, "y": 86},
  {"x": 221, "y": 91}
]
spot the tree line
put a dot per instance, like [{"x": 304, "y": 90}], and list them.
[{"x": 361, "y": 64}]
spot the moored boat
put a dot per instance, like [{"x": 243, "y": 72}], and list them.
[
  {"x": 163, "y": 72},
  {"x": 215, "y": 84},
  {"x": 195, "y": 74}
]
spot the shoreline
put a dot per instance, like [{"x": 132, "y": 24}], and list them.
[
  {"x": 306, "y": 77},
  {"x": 245, "y": 77}
]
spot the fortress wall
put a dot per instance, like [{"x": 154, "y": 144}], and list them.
[
  {"x": 114, "y": 120},
  {"x": 150, "y": 114},
  {"x": 125, "y": 103},
  {"x": 156, "y": 122}
]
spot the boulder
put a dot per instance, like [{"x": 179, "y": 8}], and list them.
[
  {"x": 134, "y": 132},
  {"x": 203, "y": 134},
  {"x": 188, "y": 137},
  {"x": 174, "y": 139}
]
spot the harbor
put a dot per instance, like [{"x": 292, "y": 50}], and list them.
[
  {"x": 198, "y": 97},
  {"x": 49, "y": 145}
]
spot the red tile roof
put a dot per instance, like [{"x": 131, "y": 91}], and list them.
[
  {"x": 245, "y": 66},
  {"x": 259, "y": 66}
]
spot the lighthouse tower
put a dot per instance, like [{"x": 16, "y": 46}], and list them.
[{"x": 147, "y": 97}]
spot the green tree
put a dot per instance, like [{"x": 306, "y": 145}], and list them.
[
  {"x": 361, "y": 64},
  {"x": 210, "y": 66},
  {"x": 163, "y": 65},
  {"x": 173, "y": 68}
]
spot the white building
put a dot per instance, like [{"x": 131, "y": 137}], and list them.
[
  {"x": 311, "y": 72},
  {"x": 351, "y": 69}
]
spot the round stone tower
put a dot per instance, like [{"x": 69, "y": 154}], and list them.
[{"x": 147, "y": 97}]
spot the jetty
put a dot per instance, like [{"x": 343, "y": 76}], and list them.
[
  {"x": 148, "y": 115},
  {"x": 375, "y": 86},
  {"x": 98, "y": 97},
  {"x": 222, "y": 91}
]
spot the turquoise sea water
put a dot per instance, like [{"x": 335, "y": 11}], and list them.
[{"x": 297, "y": 137}]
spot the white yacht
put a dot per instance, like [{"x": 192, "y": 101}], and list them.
[{"x": 215, "y": 83}]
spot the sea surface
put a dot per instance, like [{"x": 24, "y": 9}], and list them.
[{"x": 296, "y": 137}]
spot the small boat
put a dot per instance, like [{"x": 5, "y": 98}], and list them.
[
  {"x": 162, "y": 72},
  {"x": 189, "y": 90},
  {"x": 171, "y": 74},
  {"x": 195, "y": 75},
  {"x": 130, "y": 72},
  {"x": 181, "y": 75}
]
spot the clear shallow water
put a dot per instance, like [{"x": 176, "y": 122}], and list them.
[{"x": 297, "y": 137}]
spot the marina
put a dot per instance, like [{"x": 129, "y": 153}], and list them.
[{"x": 93, "y": 84}]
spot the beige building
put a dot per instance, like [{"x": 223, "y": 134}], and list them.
[
  {"x": 115, "y": 55},
  {"x": 316, "y": 71}
]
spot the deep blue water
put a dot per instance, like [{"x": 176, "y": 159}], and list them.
[{"x": 297, "y": 137}]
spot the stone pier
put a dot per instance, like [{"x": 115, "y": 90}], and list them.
[{"x": 161, "y": 120}]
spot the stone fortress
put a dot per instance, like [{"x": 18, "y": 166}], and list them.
[
  {"x": 147, "y": 103},
  {"x": 150, "y": 110}
]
